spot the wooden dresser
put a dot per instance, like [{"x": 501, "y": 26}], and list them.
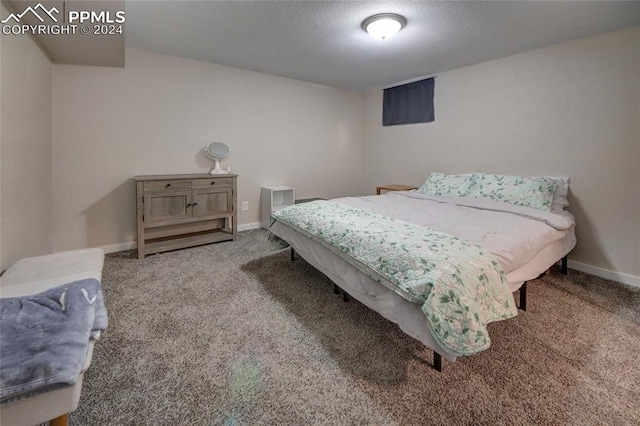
[{"x": 178, "y": 211}]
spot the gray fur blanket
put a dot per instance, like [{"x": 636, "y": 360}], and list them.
[{"x": 44, "y": 338}]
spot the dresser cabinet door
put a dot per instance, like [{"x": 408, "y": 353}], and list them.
[
  {"x": 212, "y": 201},
  {"x": 166, "y": 206}
]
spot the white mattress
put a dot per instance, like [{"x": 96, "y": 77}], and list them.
[{"x": 522, "y": 240}]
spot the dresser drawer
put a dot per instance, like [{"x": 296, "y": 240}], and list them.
[
  {"x": 167, "y": 185},
  {"x": 213, "y": 182}
]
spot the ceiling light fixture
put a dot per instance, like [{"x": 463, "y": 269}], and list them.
[{"x": 384, "y": 25}]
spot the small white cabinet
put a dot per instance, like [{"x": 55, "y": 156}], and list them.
[{"x": 273, "y": 198}]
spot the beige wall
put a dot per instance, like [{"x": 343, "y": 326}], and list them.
[
  {"x": 156, "y": 115},
  {"x": 566, "y": 110},
  {"x": 570, "y": 109},
  {"x": 25, "y": 135}
]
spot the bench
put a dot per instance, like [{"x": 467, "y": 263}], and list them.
[{"x": 31, "y": 276}]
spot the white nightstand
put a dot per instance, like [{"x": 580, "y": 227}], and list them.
[{"x": 273, "y": 198}]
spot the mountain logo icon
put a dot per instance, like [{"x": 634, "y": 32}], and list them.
[{"x": 34, "y": 11}]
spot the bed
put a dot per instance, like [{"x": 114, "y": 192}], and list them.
[{"x": 519, "y": 222}]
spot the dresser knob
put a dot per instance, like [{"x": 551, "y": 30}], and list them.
[
  {"x": 213, "y": 182},
  {"x": 195, "y": 204},
  {"x": 188, "y": 205},
  {"x": 167, "y": 185}
]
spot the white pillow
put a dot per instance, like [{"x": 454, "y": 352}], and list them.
[{"x": 561, "y": 194}]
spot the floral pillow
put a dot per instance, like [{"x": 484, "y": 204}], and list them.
[
  {"x": 534, "y": 192},
  {"x": 450, "y": 185}
]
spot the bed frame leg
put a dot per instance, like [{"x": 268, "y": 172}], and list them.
[
  {"x": 336, "y": 289},
  {"x": 565, "y": 270},
  {"x": 293, "y": 254},
  {"x": 345, "y": 296},
  {"x": 523, "y": 296},
  {"x": 437, "y": 361}
]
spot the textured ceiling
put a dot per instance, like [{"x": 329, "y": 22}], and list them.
[{"x": 322, "y": 42}]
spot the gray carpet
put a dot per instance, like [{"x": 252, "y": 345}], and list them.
[{"x": 234, "y": 334}]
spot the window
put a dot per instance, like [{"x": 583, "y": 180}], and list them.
[{"x": 408, "y": 103}]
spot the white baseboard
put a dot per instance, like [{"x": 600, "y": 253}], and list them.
[
  {"x": 628, "y": 279},
  {"x": 249, "y": 226},
  {"x": 113, "y": 248}
]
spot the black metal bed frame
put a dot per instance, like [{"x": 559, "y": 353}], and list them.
[
  {"x": 437, "y": 358},
  {"x": 523, "y": 288}
]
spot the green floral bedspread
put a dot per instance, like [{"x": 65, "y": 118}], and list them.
[{"x": 460, "y": 286}]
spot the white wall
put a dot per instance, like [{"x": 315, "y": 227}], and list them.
[
  {"x": 25, "y": 135},
  {"x": 156, "y": 115},
  {"x": 566, "y": 110},
  {"x": 570, "y": 109}
]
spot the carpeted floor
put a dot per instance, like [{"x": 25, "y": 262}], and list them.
[{"x": 234, "y": 334}]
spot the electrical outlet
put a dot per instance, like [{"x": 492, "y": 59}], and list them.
[{"x": 245, "y": 205}]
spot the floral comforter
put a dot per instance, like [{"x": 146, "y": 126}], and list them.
[{"x": 460, "y": 286}]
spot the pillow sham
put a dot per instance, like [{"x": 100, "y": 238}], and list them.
[
  {"x": 534, "y": 192},
  {"x": 561, "y": 194},
  {"x": 449, "y": 185}
]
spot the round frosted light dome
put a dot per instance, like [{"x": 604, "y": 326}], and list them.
[
  {"x": 383, "y": 28},
  {"x": 384, "y": 25}
]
